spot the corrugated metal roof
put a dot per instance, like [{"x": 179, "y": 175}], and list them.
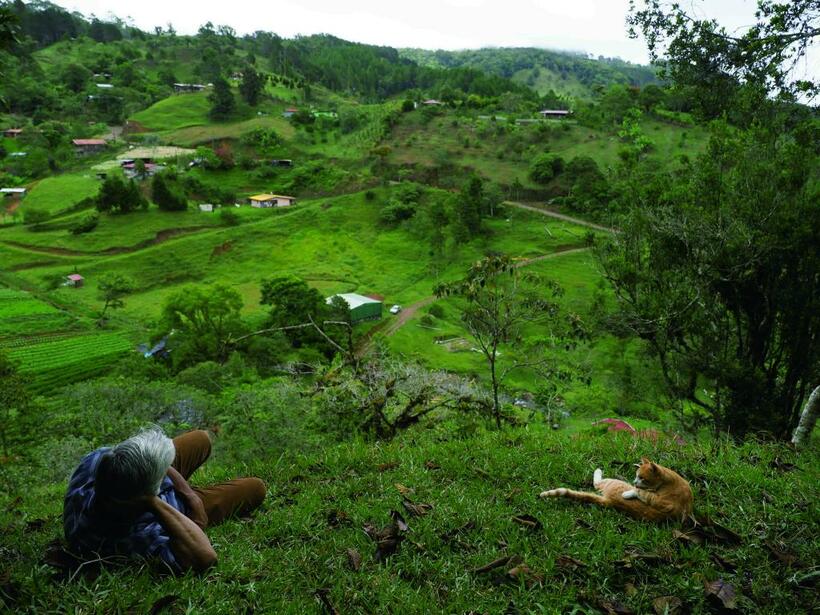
[
  {"x": 263, "y": 197},
  {"x": 353, "y": 300}
]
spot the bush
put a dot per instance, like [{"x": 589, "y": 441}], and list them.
[
  {"x": 34, "y": 216},
  {"x": 407, "y": 106},
  {"x": 166, "y": 195},
  {"x": 436, "y": 311},
  {"x": 86, "y": 224},
  {"x": 546, "y": 167}
]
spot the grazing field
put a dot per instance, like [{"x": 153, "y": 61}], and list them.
[
  {"x": 52, "y": 362},
  {"x": 59, "y": 193},
  {"x": 174, "y": 112}
]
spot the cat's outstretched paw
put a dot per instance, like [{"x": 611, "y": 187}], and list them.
[
  {"x": 597, "y": 477},
  {"x": 553, "y": 493},
  {"x": 630, "y": 495}
]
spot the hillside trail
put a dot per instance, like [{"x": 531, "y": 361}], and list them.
[
  {"x": 564, "y": 217},
  {"x": 408, "y": 312},
  {"x": 160, "y": 237}
]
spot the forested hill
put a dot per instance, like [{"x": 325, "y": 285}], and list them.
[{"x": 570, "y": 74}]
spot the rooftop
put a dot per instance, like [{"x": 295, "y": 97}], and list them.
[
  {"x": 89, "y": 142},
  {"x": 263, "y": 197},
  {"x": 353, "y": 300}
]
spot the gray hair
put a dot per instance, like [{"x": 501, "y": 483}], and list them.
[{"x": 135, "y": 466}]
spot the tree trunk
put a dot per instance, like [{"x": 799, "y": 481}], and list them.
[
  {"x": 496, "y": 409},
  {"x": 807, "y": 419}
]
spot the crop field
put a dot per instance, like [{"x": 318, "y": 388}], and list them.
[
  {"x": 22, "y": 314},
  {"x": 50, "y": 362}
]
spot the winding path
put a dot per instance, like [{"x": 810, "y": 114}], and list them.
[{"x": 564, "y": 217}]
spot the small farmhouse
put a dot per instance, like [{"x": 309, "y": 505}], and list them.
[
  {"x": 208, "y": 207},
  {"x": 271, "y": 200},
  {"x": 85, "y": 147},
  {"x": 361, "y": 307},
  {"x": 432, "y": 102},
  {"x": 12, "y": 133},
  {"x": 182, "y": 88},
  {"x": 13, "y": 192},
  {"x": 290, "y": 111},
  {"x": 554, "y": 113},
  {"x": 75, "y": 280},
  {"x": 105, "y": 86}
]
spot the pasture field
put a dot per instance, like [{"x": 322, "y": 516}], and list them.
[
  {"x": 176, "y": 111},
  {"x": 50, "y": 362},
  {"x": 59, "y": 193}
]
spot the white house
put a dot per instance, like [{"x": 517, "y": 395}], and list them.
[
  {"x": 271, "y": 200},
  {"x": 206, "y": 207}
]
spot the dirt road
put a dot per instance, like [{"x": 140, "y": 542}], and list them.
[{"x": 564, "y": 217}]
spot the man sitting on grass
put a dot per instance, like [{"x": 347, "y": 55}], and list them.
[{"x": 134, "y": 500}]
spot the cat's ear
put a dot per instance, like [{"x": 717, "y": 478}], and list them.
[
  {"x": 653, "y": 467},
  {"x": 645, "y": 460}
]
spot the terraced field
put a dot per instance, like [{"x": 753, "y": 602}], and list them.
[
  {"x": 50, "y": 362},
  {"x": 22, "y": 314}
]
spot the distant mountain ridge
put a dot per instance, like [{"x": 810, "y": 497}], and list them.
[{"x": 566, "y": 73}]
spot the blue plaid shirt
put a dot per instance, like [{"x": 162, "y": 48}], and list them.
[{"x": 92, "y": 535}]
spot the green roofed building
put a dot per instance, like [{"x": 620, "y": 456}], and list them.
[{"x": 361, "y": 307}]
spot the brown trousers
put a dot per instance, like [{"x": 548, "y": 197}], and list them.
[{"x": 222, "y": 500}]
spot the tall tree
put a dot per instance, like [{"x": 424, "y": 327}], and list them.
[
  {"x": 469, "y": 204},
  {"x": 113, "y": 288},
  {"x": 222, "y": 100},
  {"x": 251, "y": 86}
]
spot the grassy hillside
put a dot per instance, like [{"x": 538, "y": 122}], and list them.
[{"x": 570, "y": 557}]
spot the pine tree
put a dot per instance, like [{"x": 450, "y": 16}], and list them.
[
  {"x": 222, "y": 100},
  {"x": 251, "y": 86}
]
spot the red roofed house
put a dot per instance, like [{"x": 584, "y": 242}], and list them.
[
  {"x": 84, "y": 147},
  {"x": 74, "y": 280},
  {"x": 290, "y": 111}
]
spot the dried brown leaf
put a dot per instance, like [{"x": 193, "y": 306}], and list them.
[
  {"x": 417, "y": 510},
  {"x": 163, "y": 603},
  {"x": 323, "y": 596},
  {"x": 402, "y": 489},
  {"x": 431, "y": 465},
  {"x": 784, "y": 466},
  {"x": 528, "y": 521},
  {"x": 568, "y": 563},
  {"x": 389, "y": 465},
  {"x": 338, "y": 518},
  {"x": 721, "y": 595},
  {"x": 613, "y": 607},
  {"x": 34, "y": 525},
  {"x": 524, "y": 573},
  {"x": 668, "y": 605},
  {"x": 354, "y": 560},
  {"x": 506, "y": 561},
  {"x": 450, "y": 535},
  {"x": 781, "y": 553},
  {"x": 723, "y": 563}
]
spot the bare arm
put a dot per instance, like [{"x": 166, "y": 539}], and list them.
[
  {"x": 189, "y": 543},
  {"x": 197, "y": 511}
]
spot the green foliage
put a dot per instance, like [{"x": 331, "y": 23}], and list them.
[
  {"x": 715, "y": 268},
  {"x": 407, "y": 105},
  {"x": 15, "y": 402},
  {"x": 119, "y": 196},
  {"x": 166, "y": 194},
  {"x": 468, "y": 210},
  {"x": 292, "y": 303},
  {"x": 228, "y": 217},
  {"x": 205, "y": 319},
  {"x": 251, "y": 86},
  {"x": 222, "y": 100},
  {"x": 113, "y": 288},
  {"x": 589, "y": 188},
  {"x": 35, "y": 216},
  {"x": 546, "y": 167}
]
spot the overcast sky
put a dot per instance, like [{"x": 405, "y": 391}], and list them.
[{"x": 593, "y": 26}]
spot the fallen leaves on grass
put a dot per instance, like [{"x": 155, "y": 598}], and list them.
[
  {"x": 417, "y": 510},
  {"x": 781, "y": 553},
  {"x": 431, "y": 465},
  {"x": 510, "y": 569},
  {"x": 323, "y": 596},
  {"x": 34, "y": 525},
  {"x": 723, "y": 563},
  {"x": 632, "y": 558},
  {"x": 721, "y": 595},
  {"x": 450, "y": 535},
  {"x": 354, "y": 560},
  {"x": 704, "y": 530},
  {"x": 389, "y": 538},
  {"x": 9, "y": 590},
  {"x": 163, "y": 603},
  {"x": 389, "y": 465},
  {"x": 404, "y": 490},
  {"x": 528, "y": 521},
  {"x": 668, "y": 605},
  {"x": 613, "y": 607},
  {"x": 338, "y": 518},
  {"x": 784, "y": 466},
  {"x": 569, "y": 564}
]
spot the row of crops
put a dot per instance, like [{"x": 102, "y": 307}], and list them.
[
  {"x": 58, "y": 361},
  {"x": 23, "y": 314}
]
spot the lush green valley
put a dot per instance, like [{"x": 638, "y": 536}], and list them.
[{"x": 562, "y": 240}]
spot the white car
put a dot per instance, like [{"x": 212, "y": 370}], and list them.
[{"x": 395, "y": 309}]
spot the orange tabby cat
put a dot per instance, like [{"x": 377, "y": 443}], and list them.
[{"x": 659, "y": 493}]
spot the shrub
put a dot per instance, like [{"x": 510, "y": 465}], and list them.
[
  {"x": 546, "y": 167},
  {"x": 86, "y": 224},
  {"x": 436, "y": 311},
  {"x": 228, "y": 217}
]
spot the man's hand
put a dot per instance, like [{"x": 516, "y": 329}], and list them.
[{"x": 196, "y": 512}]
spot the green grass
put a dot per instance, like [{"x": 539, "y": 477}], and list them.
[
  {"x": 275, "y": 561},
  {"x": 61, "y": 192},
  {"x": 174, "y": 112}
]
